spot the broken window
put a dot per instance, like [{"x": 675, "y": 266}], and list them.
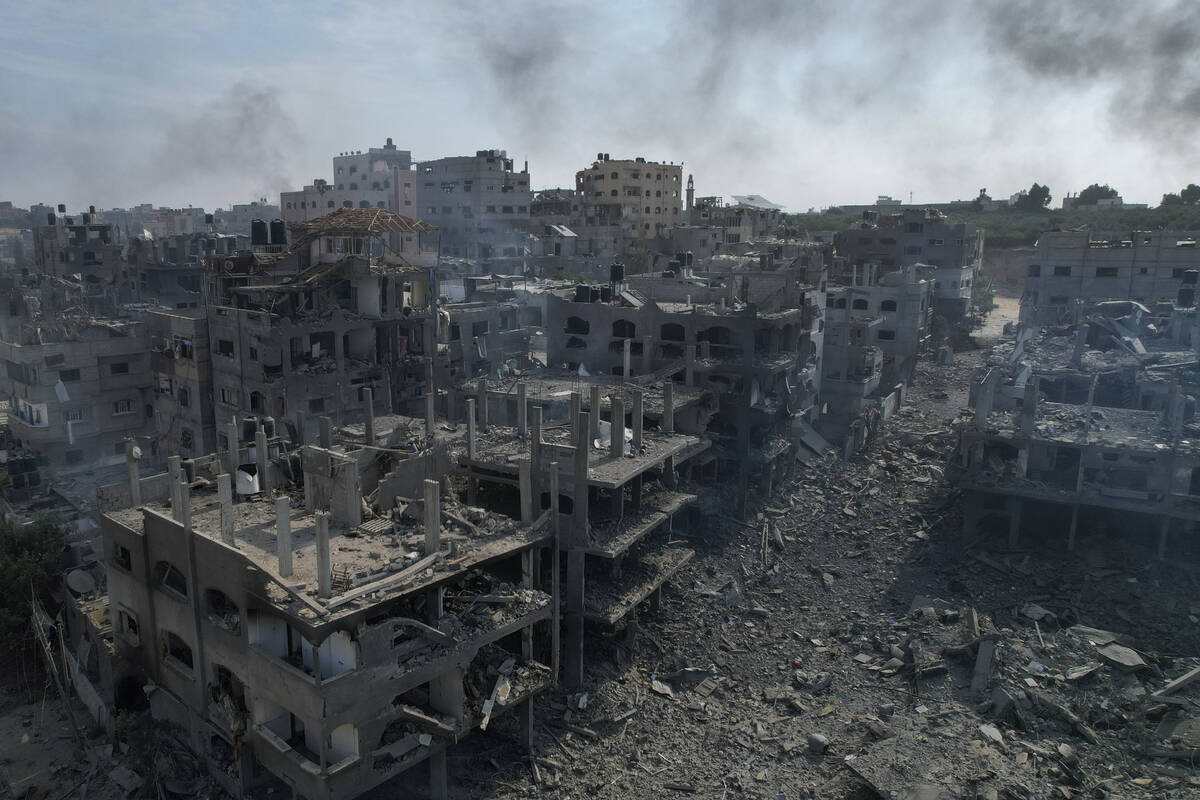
[
  {"x": 127, "y": 624},
  {"x": 167, "y": 576},
  {"x": 68, "y": 375},
  {"x": 225, "y": 347},
  {"x": 886, "y": 335},
  {"x": 887, "y": 305},
  {"x": 118, "y": 368},
  {"x": 123, "y": 558},
  {"x": 176, "y": 651},
  {"x": 222, "y": 611}
]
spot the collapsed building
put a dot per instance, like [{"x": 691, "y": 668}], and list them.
[
  {"x": 345, "y": 315},
  {"x": 1068, "y": 270},
  {"x": 949, "y": 254},
  {"x": 753, "y": 338}
]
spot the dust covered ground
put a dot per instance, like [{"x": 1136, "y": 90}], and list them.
[{"x": 840, "y": 664}]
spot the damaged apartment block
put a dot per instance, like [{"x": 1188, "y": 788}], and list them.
[
  {"x": 297, "y": 642},
  {"x": 349, "y": 307}
]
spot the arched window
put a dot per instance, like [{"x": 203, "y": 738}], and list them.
[
  {"x": 353, "y": 186},
  {"x": 624, "y": 329},
  {"x": 329, "y": 204},
  {"x": 860, "y": 304},
  {"x": 840, "y": 303},
  {"x": 167, "y": 576},
  {"x": 887, "y": 305},
  {"x": 177, "y": 651},
  {"x": 577, "y": 325},
  {"x": 672, "y": 332},
  {"x": 222, "y": 611}
]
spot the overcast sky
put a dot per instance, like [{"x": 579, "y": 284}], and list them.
[{"x": 807, "y": 103}]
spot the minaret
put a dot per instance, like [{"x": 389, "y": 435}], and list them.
[{"x": 691, "y": 197}]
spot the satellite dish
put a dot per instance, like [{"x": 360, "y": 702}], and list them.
[{"x": 80, "y": 581}]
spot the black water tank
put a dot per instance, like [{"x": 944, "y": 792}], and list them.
[
  {"x": 1191, "y": 277},
  {"x": 208, "y": 219},
  {"x": 278, "y": 232},
  {"x": 1186, "y": 298},
  {"x": 62, "y": 208},
  {"x": 605, "y": 294},
  {"x": 91, "y": 209},
  {"x": 690, "y": 258},
  {"x": 616, "y": 273},
  {"x": 87, "y": 219},
  {"x": 583, "y": 293},
  {"x": 258, "y": 232}
]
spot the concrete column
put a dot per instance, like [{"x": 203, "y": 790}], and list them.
[
  {"x": 617, "y": 439},
  {"x": 283, "y": 535},
  {"x": 471, "y": 428},
  {"x": 234, "y": 437},
  {"x": 225, "y": 496},
  {"x": 173, "y": 472},
  {"x": 433, "y": 517},
  {"x": 185, "y": 502},
  {"x": 576, "y": 407},
  {"x": 594, "y": 412},
  {"x": 369, "y": 422},
  {"x": 1074, "y": 527},
  {"x": 430, "y": 415},
  {"x": 668, "y": 416},
  {"x": 325, "y": 437},
  {"x": 689, "y": 369},
  {"x": 535, "y": 439},
  {"x": 647, "y": 354},
  {"x": 522, "y": 414},
  {"x": 668, "y": 473},
  {"x": 1015, "y": 507},
  {"x": 637, "y": 419},
  {"x": 525, "y": 480},
  {"x": 482, "y": 405},
  {"x": 984, "y": 400},
  {"x": 626, "y": 362},
  {"x": 439, "y": 785},
  {"x": 301, "y": 432},
  {"x": 555, "y": 625},
  {"x": 580, "y": 495},
  {"x": 261, "y": 462},
  {"x": 324, "y": 573},
  {"x": 135, "y": 480}
]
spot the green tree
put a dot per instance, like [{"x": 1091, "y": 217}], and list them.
[
  {"x": 1036, "y": 199},
  {"x": 29, "y": 554},
  {"x": 1170, "y": 199},
  {"x": 1190, "y": 194},
  {"x": 1095, "y": 192}
]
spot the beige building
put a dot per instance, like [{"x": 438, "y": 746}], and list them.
[
  {"x": 382, "y": 177},
  {"x": 640, "y": 199}
]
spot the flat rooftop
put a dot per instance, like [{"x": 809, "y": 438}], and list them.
[
  {"x": 360, "y": 557},
  {"x": 1125, "y": 428}
]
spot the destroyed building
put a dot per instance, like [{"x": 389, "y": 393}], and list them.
[
  {"x": 170, "y": 269},
  {"x": 1069, "y": 269},
  {"x": 83, "y": 256},
  {"x": 181, "y": 368},
  {"x": 627, "y": 200},
  {"x": 753, "y": 338},
  {"x": 951, "y": 253},
  {"x": 345, "y": 313},
  {"x": 296, "y": 643}
]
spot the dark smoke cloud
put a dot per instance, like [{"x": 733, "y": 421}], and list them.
[
  {"x": 244, "y": 134},
  {"x": 1143, "y": 56}
]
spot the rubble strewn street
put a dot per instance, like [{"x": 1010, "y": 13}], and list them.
[{"x": 872, "y": 654}]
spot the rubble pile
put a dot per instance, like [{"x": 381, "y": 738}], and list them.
[{"x": 842, "y": 643}]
